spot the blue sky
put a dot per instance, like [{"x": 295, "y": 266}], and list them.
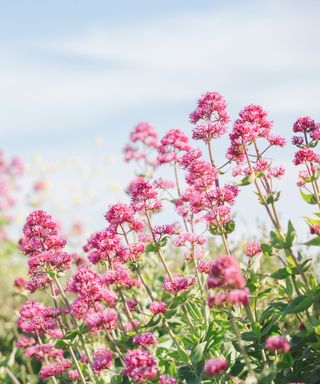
[{"x": 74, "y": 70}]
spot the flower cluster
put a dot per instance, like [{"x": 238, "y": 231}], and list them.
[
  {"x": 210, "y": 117},
  {"x": 44, "y": 248},
  {"x": 142, "y": 146},
  {"x": 226, "y": 274},
  {"x": 135, "y": 306}
]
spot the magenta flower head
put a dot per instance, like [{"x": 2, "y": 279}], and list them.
[
  {"x": 144, "y": 339},
  {"x": 304, "y": 125},
  {"x": 55, "y": 369},
  {"x": 102, "y": 359},
  {"x": 143, "y": 139},
  {"x": 210, "y": 117},
  {"x": 144, "y": 197},
  {"x": 225, "y": 272},
  {"x": 278, "y": 343},
  {"x": 173, "y": 146},
  {"x": 44, "y": 247},
  {"x": 215, "y": 366},
  {"x": 106, "y": 246},
  {"x": 179, "y": 283},
  {"x": 122, "y": 215},
  {"x": 251, "y": 249},
  {"x": 140, "y": 365},
  {"x": 157, "y": 307},
  {"x": 165, "y": 379}
]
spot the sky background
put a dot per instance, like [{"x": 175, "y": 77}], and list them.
[{"x": 71, "y": 71}]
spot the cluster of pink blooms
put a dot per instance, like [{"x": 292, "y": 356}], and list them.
[
  {"x": 140, "y": 365},
  {"x": 215, "y": 366},
  {"x": 278, "y": 343},
  {"x": 44, "y": 247},
  {"x": 178, "y": 283},
  {"x": 144, "y": 196},
  {"x": 251, "y": 249},
  {"x": 204, "y": 196},
  {"x": 308, "y": 135},
  {"x": 210, "y": 117},
  {"x": 157, "y": 307},
  {"x": 253, "y": 124},
  {"x": 143, "y": 142},
  {"x": 108, "y": 280},
  {"x": 226, "y": 275},
  {"x": 102, "y": 359},
  {"x": 172, "y": 146},
  {"x": 144, "y": 339}
]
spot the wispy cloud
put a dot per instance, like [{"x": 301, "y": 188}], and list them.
[{"x": 252, "y": 52}]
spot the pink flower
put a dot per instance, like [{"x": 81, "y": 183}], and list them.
[
  {"x": 102, "y": 319},
  {"x": 140, "y": 365},
  {"x": 218, "y": 299},
  {"x": 304, "y": 124},
  {"x": 143, "y": 140},
  {"x": 239, "y": 296},
  {"x": 179, "y": 283},
  {"x": 121, "y": 215},
  {"x": 172, "y": 145},
  {"x": 144, "y": 196},
  {"x": 102, "y": 359},
  {"x": 276, "y": 172},
  {"x": 85, "y": 282},
  {"x": 73, "y": 374},
  {"x": 201, "y": 175},
  {"x": 144, "y": 339},
  {"x": 305, "y": 155},
  {"x": 144, "y": 133},
  {"x": 120, "y": 276},
  {"x": 165, "y": 379},
  {"x": 219, "y": 216},
  {"x": 163, "y": 184},
  {"x": 212, "y": 113},
  {"x": 44, "y": 247},
  {"x": 25, "y": 342},
  {"x": 215, "y": 366},
  {"x": 205, "y": 266},
  {"x": 44, "y": 351},
  {"x": 35, "y": 318},
  {"x": 225, "y": 272},
  {"x": 106, "y": 246},
  {"x": 54, "y": 369},
  {"x": 276, "y": 140},
  {"x": 277, "y": 343},
  {"x": 251, "y": 249},
  {"x": 190, "y": 157},
  {"x": 315, "y": 230},
  {"x": 157, "y": 307}
]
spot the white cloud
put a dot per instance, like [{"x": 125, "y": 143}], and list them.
[{"x": 255, "y": 51}]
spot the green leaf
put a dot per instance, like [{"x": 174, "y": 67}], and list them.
[
  {"x": 152, "y": 247},
  {"x": 299, "y": 304},
  {"x": 247, "y": 180},
  {"x": 273, "y": 197},
  {"x": 281, "y": 274},
  {"x": 290, "y": 236},
  {"x": 312, "y": 221},
  {"x": 315, "y": 241},
  {"x": 163, "y": 242},
  {"x": 197, "y": 352},
  {"x": 276, "y": 240},
  {"x": 308, "y": 197},
  {"x": 266, "y": 249}
]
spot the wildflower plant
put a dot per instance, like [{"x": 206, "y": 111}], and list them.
[{"x": 152, "y": 303}]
